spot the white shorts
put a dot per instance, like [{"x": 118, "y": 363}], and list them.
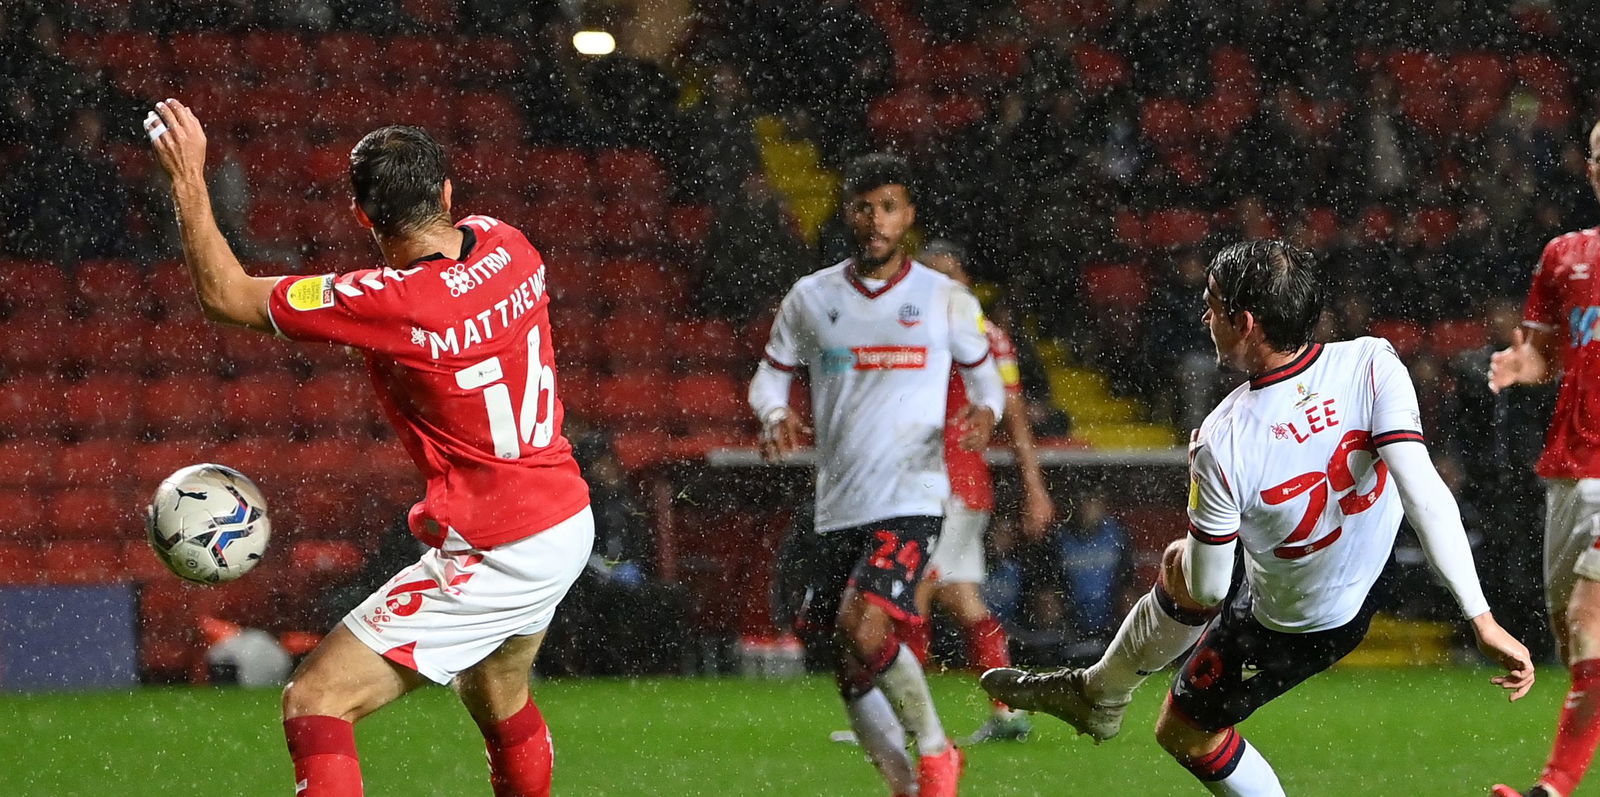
[
  {"x": 957, "y": 557},
  {"x": 1571, "y": 532},
  {"x": 451, "y": 609}
]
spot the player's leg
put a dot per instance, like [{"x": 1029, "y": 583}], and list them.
[
  {"x": 1160, "y": 627},
  {"x": 1223, "y": 760},
  {"x": 495, "y": 692},
  {"x": 917, "y": 632},
  {"x": 987, "y": 648},
  {"x": 341, "y": 681}
]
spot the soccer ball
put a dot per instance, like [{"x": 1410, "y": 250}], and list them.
[{"x": 208, "y": 524}]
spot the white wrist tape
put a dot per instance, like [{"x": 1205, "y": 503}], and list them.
[{"x": 154, "y": 126}]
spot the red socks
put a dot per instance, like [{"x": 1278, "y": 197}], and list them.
[
  {"x": 324, "y": 754},
  {"x": 521, "y": 756},
  {"x": 1578, "y": 731},
  {"x": 987, "y": 646}
]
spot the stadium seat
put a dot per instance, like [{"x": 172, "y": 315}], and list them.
[
  {"x": 1221, "y": 116},
  {"x": 22, "y": 513},
  {"x": 273, "y": 107},
  {"x": 33, "y": 285},
  {"x": 414, "y": 59},
  {"x": 31, "y": 340},
  {"x": 102, "y": 405},
  {"x": 184, "y": 345},
  {"x": 326, "y": 556},
  {"x": 1480, "y": 75},
  {"x": 561, "y": 224},
  {"x": 132, "y": 52},
  {"x": 29, "y": 406},
  {"x": 204, "y": 53},
  {"x": 322, "y": 461},
  {"x": 1406, "y": 337},
  {"x": 181, "y": 405},
  {"x": 82, "y": 562},
  {"x": 258, "y": 403},
  {"x": 557, "y": 174},
  {"x": 1115, "y": 286},
  {"x": 956, "y": 67},
  {"x": 900, "y": 120},
  {"x": 1232, "y": 70},
  {"x": 1099, "y": 69},
  {"x": 484, "y": 166},
  {"x": 629, "y": 224},
  {"x": 93, "y": 513},
  {"x": 630, "y": 172},
  {"x": 1545, "y": 75},
  {"x": 638, "y": 449},
  {"x": 94, "y": 463},
  {"x": 346, "y": 57},
  {"x": 422, "y": 104},
  {"x": 336, "y": 402},
  {"x": 1436, "y": 226},
  {"x": 953, "y": 113},
  {"x": 578, "y": 388},
  {"x": 638, "y": 284},
  {"x": 576, "y": 335},
  {"x": 349, "y": 108},
  {"x": 687, "y": 228},
  {"x": 707, "y": 399},
  {"x": 1449, "y": 338},
  {"x": 640, "y": 400},
  {"x": 486, "y": 115},
  {"x": 275, "y": 55},
  {"x": 264, "y": 458},
  {"x": 1166, "y": 122},
  {"x": 251, "y": 351},
  {"x": 114, "y": 287},
  {"x": 153, "y": 462},
  {"x": 140, "y": 565},
  {"x": 275, "y": 166},
  {"x": 393, "y": 475},
  {"x": 488, "y": 61},
  {"x": 106, "y": 343},
  {"x": 636, "y": 341},
  {"x": 1175, "y": 227},
  {"x": 27, "y": 466},
  {"x": 709, "y": 344}
]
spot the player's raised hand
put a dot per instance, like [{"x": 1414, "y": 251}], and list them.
[
  {"x": 780, "y": 436},
  {"x": 182, "y": 148},
  {"x": 975, "y": 425},
  {"x": 1519, "y": 363},
  {"x": 1504, "y": 649}
]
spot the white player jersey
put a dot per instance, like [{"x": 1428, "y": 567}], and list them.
[
  {"x": 879, "y": 359},
  {"x": 1287, "y": 464}
]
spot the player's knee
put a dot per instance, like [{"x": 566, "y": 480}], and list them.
[
  {"x": 302, "y": 697},
  {"x": 1180, "y": 739},
  {"x": 1583, "y": 632}
]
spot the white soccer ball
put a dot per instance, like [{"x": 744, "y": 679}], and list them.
[{"x": 208, "y": 524}]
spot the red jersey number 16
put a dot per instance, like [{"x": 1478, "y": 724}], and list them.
[{"x": 509, "y": 435}]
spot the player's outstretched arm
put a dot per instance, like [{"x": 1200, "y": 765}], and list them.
[
  {"x": 1432, "y": 511},
  {"x": 1525, "y": 362},
  {"x": 227, "y": 293},
  {"x": 1038, "y": 511}
]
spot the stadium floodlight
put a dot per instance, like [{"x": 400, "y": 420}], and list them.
[{"x": 594, "y": 42}]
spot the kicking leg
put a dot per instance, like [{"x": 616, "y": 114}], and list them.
[
  {"x": 1222, "y": 760},
  {"x": 340, "y": 682},
  {"x": 495, "y": 692}
]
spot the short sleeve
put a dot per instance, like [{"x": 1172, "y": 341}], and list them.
[
  {"x": 363, "y": 309},
  {"x": 1213, "y": 512},
  {"x": 1395, "y": 415},
  {"x": 1005, "y": 359},
  {"x": 785, "y": 349},
  {"x": 969, "y": 342},
  {"x": 1543, "y": 309}
]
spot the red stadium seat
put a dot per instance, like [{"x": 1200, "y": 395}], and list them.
[
  {"x": 1405, "y": 336},
  {"x": 95, "y": 463},
  {"x": 31, "y": 340},
  {"x": 956, "y": 67},
  {"x": 1099, "y": 69},
  {"x": 102, "y": 405},
  {"x": 630, "y": 172},
  {"x": 489, "y": 60},
  {"x": 107, "y": 343},
  {"x": 22, "y": 515},
  {"x": 558, "y": 174},
  {"x": 1221, "y": 116},
  {"x": 1232, "y": 70},
  {"x": 97, "y": 562},
  {"x": 1436, "y": 226},
  {"x": 710, "y": 344},
  {"x": 258, "y": 403},
  {"x": 349, "y": 108},
  {"x": 30, "y": 406},
  {"x": 252, "y": 351},
  {"x": 1545, "y": 75},
  {"x": 276, "y": 223},
  {"x": 182, "y": 405},
  {"x": 204, "y": 53},
  {"x": 636, "y": 341},
  {"x": 132, "y": 51},
  {"x": 639, "y": 284},
  {"x": 688, "y": 226},
  {"x": 629, "y": 224},
  {"x": 639, "y": 400},
  {"x": 27, "y": 466},
  {"x": 709, "y": 398},
  {"x": 1480, "y": 75},
  {"x": 901, "y": 120},
  {"x": 419, "y": 103},
  {"x": 561, "y": 224},
  {"x": 273, "y": 107},
  {"x": 1166, "y": 121},
  {"x": 185, "y": 345},
  {"x": 111, "y": 286},
  {"x": 578, "y": 390},
  {"x": 275, "y": 55},
  {"x": 345, "y": 57},
  {"x": 953, "y": 113},
  {"x": 576, "y": 335},
  {"x": 1449, "y": 338},
  {"x": 486, "y": 115},
  {"x": 93, "y": 513},
  {"x": 338, "y": 402},
  {"x": 139, "y": 563},
  {"x": 264, "y": 458},
  {"x": 33, "y": 285},
  {"x": 153, "y": 462},
  {"x": 275, "y": 165},
  {"x": 414, "y": 59},
  {"x": 1175, "y": 227},
  {"x": 326, "y": 556},
  {"x": 324, "y": 460},
  {"x": 638, "y": 449},
  {"x": 1115, "y": 286}
]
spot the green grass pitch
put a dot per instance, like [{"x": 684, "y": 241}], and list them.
[{"x": 1414, "y": 732}]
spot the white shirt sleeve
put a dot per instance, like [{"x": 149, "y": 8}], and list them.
[
  {"x": 1395, "y": 415},
  {"x": 1213, "y": 529},
  {"x": 972, "y": 353},
  {"x": 769, "y": 389}
]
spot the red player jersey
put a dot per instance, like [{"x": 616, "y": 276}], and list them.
[
  {"x": 460, "y": 355},
  {"x": 969, "y": 473},
  {"x": 1565, "y": 301}
]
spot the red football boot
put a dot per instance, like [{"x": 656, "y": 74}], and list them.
[{"x": 939, "y": 775}]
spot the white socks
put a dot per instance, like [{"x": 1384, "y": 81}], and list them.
[
  {"x": 884, "y": 740},
  {"x": 1148, "y": 640},
  {"x": 907, "y": 690},
  {"x": 1253, "y": 777}
]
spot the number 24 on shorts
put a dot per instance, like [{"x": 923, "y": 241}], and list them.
[{"x": 509, "y": 435}]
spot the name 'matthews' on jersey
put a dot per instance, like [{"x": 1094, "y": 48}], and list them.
[
  {"x": 879, "y": 358},
  {"x": 460, "y": 355},
  {"x": 1288, "y": 465}
]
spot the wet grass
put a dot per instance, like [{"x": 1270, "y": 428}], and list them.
[{"x": 1353, "y": 731}]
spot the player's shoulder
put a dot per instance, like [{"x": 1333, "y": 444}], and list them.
[
  {"x": 495, "y": 232},
  {"x": 1569, "y": 243},
  {"x": 1360, "y": 349},
  {"x": 821, "y": 277},
  {"x": 1222, "y": 422}
]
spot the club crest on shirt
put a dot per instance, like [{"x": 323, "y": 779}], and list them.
[
  {"x": 1305, "y": 395},
  {"x": 910, "y": 315}
]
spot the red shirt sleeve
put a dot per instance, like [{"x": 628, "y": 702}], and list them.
[
  {"x": 1544, "y": 297},
  {"x": 365, "y": 309}
]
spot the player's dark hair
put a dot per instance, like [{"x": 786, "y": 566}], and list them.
[
  {"x": 871, "y": 172},
  {"x": 945, "y": 246},
  {"x": 397, "y": 173},
  {"x": 1275, "y": 282}
]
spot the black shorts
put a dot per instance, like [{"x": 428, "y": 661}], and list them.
[
  {"x": 884, "y": 561},
  {"x": 1239, "y": 665}
]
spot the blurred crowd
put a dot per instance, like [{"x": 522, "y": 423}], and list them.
[{"x": 1090, "y": 154}]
